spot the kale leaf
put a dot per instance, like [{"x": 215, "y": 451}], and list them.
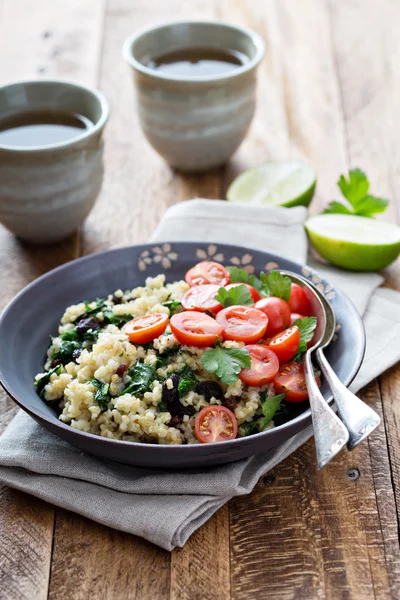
[
  {"x": 187, "y": 381},
  {"x": 102, "y": 396},
  {"x": 45, "y": 378},
  {"x": 141, "y": 377}
]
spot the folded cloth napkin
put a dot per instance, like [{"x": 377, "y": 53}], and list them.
[{"x": 167, "y": 508}]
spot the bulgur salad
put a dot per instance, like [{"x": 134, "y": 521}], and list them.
[{"x": 211, "y": 358}]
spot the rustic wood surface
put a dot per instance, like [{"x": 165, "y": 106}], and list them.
[{"x": 328, "y": 91}]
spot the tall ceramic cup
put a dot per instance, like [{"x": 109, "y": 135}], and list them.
[
  {"x": 194, "y": 122},
  {"x": 47, "y": 191}
]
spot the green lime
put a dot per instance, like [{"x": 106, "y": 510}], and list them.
[
  {"x": 355, "y": 243},
  {"x": 280, "y": 182}
]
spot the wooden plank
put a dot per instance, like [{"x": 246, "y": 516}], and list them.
[
  {"x": 302, "y": 538},
  {"x": 369, "y": 79},
  {"x": 91, "y": 560},
  {"x": 56, "y": 40},
  {"x": 200, "y": 570}
]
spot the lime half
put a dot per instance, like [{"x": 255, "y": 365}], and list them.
[
  {"x": 281, "y": 182},
  {"x": 355, "y": 243}
]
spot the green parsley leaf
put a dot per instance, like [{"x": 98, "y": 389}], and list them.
[
  {"x": 269, "y": 408},
  {"x": 371, "y": 205},
  {"x": 241, "y": 276},
  {"x": 226, "y": 363},
  {"x": 355, "y": 190},
  {"x": 275, "y": 284},
  {"x": 187, "y": 381},
  {"x": 237, "y": 295},
  {"x": 306, "y": 327},
  {"x": 41, "y": 383},
  {"x": 335, "y": 207},
  {"x": 102, "y": 396}
]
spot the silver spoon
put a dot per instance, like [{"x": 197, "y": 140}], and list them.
[
  {"x": 358, "y": 417},
  {"x": 330, "y": 434}
]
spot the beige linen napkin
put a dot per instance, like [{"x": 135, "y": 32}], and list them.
[{"x": 166, "y": 508}]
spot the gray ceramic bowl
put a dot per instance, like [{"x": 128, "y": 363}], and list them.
[
  {"x": 194, "y": 122},
  {"x": 34, "y": 313}
]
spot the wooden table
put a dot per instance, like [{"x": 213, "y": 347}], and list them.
[{"x": 329, "y": 91}]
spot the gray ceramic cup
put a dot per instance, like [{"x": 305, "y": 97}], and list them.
[
  {"x": 47, "y": 191},
  {"x": 194, "y": 122}
]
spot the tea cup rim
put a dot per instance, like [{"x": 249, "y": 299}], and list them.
[
  {"x": 88, "y": 133},
  {"x": 137, "y": 65}
]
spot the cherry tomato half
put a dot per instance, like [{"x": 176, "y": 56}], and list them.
[
  {"x": 215, "y": 424},
  {"x": 195, "y": 329},
  {"x": 207, "y": 271},
  {"x": 294, "y": 317},
  {"x": 277, "y": 311},
  {"x": 290, "y": 380},
  {"x": 253, "y": 292},
  {"x": 264, "y": 366},
  {"x": 242, "y": 323},
  {"x": 201, "y": 298},
  {"x": 298, "y": 300},
  {"x": 143, "y": 330},
  {"x": 285, "y": 344}
]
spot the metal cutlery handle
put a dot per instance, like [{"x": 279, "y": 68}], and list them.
[
  {"x": 329, "y": 432},
  {"x": 358, "y": 417}
]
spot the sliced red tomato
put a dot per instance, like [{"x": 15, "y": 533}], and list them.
[
  {"x": 264, "y": 366},
  {"x": 253, "y": 292},
  {"x": 294, "y": 317},
  {"x": 277, "y": 311},
  {"x": 215, "y": 424},
  {"x": 298, "y": 300},
  {"x": 291, "y": 381},
  {"x": 206, "y": 272},
  {"x": 201, "y": 298},
  {"x": 143, "y": 330},
  {"x": 195, "y": 329},
  {"x": 242, "y": 323},
  {"x": 285, "y": 344}
]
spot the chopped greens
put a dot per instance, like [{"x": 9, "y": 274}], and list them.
[
  {"x": 163, "y": 407},
  {"x": 111, "y": 319},
  {"x": 306, "y": 327},
  {"x": 187, "y": 381},
  {"x": 141, "y": 377},
  {"x": 91, "y": 311},
  {"x": 269, "y": 407},
  {"x": 275, "y": 284},
  {"x": 250, "y": 427},
  {"x": 355, "y": 190},
  {"x": 102, "y": 396},
  {"x": 174, "y": 306},
  {"x": 44, "y": 379},
  {"x": 282, "y": 415},
  {"x": 163, "y": 359},
  {"x": 226, "y": 362},
  {"x": 66, "y": 351}
]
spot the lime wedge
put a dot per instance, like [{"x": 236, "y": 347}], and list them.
[
  {"x": 355, "y": 243},
  {"x": 281, "y": 182}
]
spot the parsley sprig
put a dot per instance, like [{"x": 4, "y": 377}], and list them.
[
  {"x": 306, "y": 327},
  {"x": 226, "y": 363},
  {"x": 239, "y": 294},
  {"x": 273, "y": 284},
  {"x": 355, "y": 189},
  {"x": 269, "y": 408}
]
